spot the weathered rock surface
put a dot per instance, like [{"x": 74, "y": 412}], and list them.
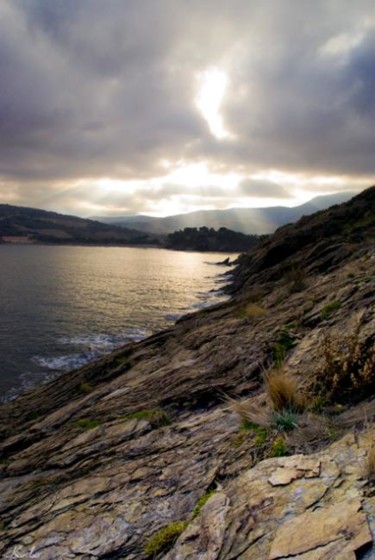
[
  {"x": 328, "y": 516},
  {"x": 83, "y": 477}
]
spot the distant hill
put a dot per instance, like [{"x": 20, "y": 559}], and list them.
[
  {"x": 245, "y": 220},
  {"x": 19, "y": 223},
  {"x": 208, "y": 239}
]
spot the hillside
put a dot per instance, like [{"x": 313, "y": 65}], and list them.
[
  {"x": 245, "y": 431},
  {"x": 50, "y": 227},
  {"x": 245, "y": 220}
]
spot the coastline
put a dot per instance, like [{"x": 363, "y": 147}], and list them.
[{"x": 106, "y": 462}]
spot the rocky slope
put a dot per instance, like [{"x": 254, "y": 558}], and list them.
[{"x": 116, "y": 460}]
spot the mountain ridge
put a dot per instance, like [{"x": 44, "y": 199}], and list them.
[
  {"x": 244, "y": 220},
  {"x": 45, "y": 226}
]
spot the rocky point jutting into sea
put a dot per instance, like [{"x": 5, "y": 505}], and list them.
[{"x": 245, "y": 431}]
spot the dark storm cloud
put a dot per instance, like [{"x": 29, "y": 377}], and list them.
[
  {"x": 97, "y": 88},
  {"x": 303, "y": 106},
  {"x": 91, "y": 93}
]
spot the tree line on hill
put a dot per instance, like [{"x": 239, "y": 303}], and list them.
[{"x": 209, "y": 239}]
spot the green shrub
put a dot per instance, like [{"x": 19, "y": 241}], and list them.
[
  {"x": 163, "y": 540},
  {"x": 285, "y": 341},
  {"x": 260, "y": 432},
  {"x": 279, "y": 447}
]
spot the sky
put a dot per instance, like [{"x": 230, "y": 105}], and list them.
[{"x": 159, "y": 107}]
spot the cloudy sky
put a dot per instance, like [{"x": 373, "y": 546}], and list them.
[{"x": 110, "y": 107}]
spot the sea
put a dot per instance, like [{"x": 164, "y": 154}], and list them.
[{"x": 64, "y": 306}]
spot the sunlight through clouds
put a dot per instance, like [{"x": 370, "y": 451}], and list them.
[
  {"x": 212, "y": 86},
  {"x": 203, "y": 105}
]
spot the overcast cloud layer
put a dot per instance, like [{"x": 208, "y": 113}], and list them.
[{"x": 96, "y": 89}]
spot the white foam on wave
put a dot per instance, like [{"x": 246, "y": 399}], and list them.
[
  {"x": 90, "y": 346},
  {"x": 28, "y": 381},
  {"x": 64, "y": 363},
  {"x": 106, "y": 341}
]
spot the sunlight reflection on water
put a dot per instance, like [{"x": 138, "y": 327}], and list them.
[{"x": 64, "y": 306}]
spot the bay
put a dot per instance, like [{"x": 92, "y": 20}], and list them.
[{"x": 64, "y": 306}]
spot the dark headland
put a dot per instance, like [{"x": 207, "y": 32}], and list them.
[{"x": 245, "y": 431}]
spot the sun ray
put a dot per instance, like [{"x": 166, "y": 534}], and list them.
[{"x": 212, "y": 86}]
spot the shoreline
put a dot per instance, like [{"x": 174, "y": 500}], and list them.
[
  {"x": 179, "y": 446},
  {"x": 115, "y": 245},
  {"x": 212, "y": 297}
]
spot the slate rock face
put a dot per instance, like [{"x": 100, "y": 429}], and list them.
[
  {"x": 97, "y": 475},
  {"x": 323, "y": 513}
]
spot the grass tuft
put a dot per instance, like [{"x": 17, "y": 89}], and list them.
[
  {"x": 282, "y": 391},
  {"x": 250, "y": 413},
  {"x": 285, "y": 420}
]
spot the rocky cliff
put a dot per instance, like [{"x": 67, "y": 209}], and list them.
[{"x": 177, "y": 447}]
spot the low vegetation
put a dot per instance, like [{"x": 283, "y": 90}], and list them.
[
  {"x": 283, "y": 392},
  {"x": 286, "y": 340},
  {"x": 156, "y": 416},
  {"x": 296, "y": 280},
  {"x": 85, "y": 388},
  {"x": 87, "y": 424},
  {"x": 370, "y": 465},
  {"x": 164, "y": 539},
  {"x": 347, "y": 374},
  {"x": 202, "y": 502},
  {"x": 279, "y": 447},
  {"x": 252, "y": 310},
  {"x": 285, "y": 420},
  {"x": 330, "y": 308}
]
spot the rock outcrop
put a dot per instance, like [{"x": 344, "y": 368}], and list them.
[
  {"x": 302, "y": 507},
  {"x": 96, "y": 463}
]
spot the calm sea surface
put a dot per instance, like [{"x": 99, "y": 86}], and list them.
[{"x": 61, "y": 307}]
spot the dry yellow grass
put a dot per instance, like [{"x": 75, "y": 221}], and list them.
[
  {"x": 283, "y": 391},
  {"x": 348, "y": 373},
  {"x": 254, "y": 310},
  {"x": 248, "y": 410}
]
